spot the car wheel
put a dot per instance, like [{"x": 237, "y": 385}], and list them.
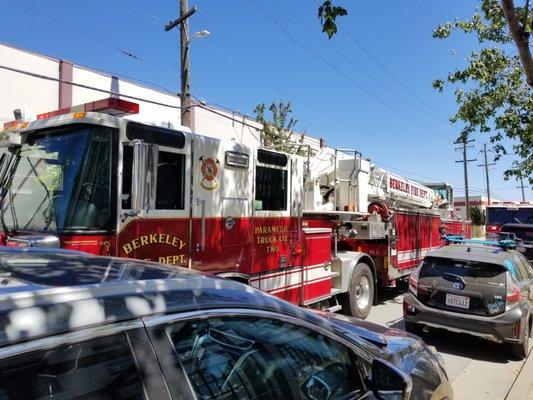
[
  {"x": 411, "y": 327},
  {"x": 361, "y": 291},
  {"x": 519, "y": 350}
]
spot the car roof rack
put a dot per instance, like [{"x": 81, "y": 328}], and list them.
[{"x": 504, "y": 244}]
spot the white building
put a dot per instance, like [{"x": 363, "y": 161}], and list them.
[{"x": 36, "y": 84}]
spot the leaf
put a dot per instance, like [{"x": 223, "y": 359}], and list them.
[{"x": 327, "y": 13}]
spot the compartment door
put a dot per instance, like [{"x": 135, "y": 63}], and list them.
[{"x": 221, "y": 207}]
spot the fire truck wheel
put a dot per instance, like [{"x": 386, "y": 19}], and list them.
[{"x": 361, "y": 291}]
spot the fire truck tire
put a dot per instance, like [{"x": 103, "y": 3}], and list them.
[{"x": 361, "y": 291}]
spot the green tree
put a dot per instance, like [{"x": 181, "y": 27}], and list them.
[
  {"x": 279, "y": 129},
  {"x": 492, "y": 90},
  {"x": 477, "y": 215}
]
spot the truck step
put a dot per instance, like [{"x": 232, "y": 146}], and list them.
[
  {"x": 335, "y": 308},
  {"x": 335, "y": 291},
  {"x": 335, "y": 274}
]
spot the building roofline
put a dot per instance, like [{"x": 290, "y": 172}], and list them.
[
  {"x": 32, "y": 52},
  {"x": 109, "y": 74}
]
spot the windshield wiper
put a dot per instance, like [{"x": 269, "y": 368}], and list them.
[{"x": 8, "y": 166}]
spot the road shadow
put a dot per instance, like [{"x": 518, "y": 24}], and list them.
[
  {"x": 391, "y": 295},
  {"x": 462, "y": 345}
]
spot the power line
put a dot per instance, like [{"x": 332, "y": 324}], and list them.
[
  {"x": 233, "y": 119},
  {"x": 225, "y": 116},
  {"x": 133, "y": 78},
  {"x": 356, "y": 66},
  {"x": 50, "y": 78},
  {"x": 96, "y": 39},
  {"x": 347, "y": 77},
  {"x": 360, "y": 45},
  {"x": 156, "y": 20},
  {"x": 243, "y": 37},
  {"x": 504, "y": 187},
  {"x": 222, "y": 54}
]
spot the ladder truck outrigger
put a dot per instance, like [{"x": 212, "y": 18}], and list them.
[{"x": 321, "y": 231}]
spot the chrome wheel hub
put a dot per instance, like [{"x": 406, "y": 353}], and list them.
[{"x": 362, "y": 293}]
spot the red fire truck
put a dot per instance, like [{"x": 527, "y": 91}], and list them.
[{"x": 322, "y": 230}]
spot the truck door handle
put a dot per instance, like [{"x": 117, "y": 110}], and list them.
[{"x": 201, "y": 246}]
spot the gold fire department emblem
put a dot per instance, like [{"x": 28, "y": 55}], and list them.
[{"x": 209, "y": 170}]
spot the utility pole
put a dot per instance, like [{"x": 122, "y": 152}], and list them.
[
  {"x": 486, "y": 165},
  {"x": 522, "y": 187},
  {"x": 465, "y": 161},
  {"x": 185, "y": 94}
]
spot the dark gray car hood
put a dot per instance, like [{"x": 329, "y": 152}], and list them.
[
  {"x": 408, "y": 352},
  {"x": 379, "y": 335}
]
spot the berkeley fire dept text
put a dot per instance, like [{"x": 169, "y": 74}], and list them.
[{"x": 153, "y": 238}]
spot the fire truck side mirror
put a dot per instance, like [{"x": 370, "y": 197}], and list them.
[{"x": 144, "y": 176}]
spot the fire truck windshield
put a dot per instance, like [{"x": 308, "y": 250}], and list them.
[{"x": 63, "y": 181}]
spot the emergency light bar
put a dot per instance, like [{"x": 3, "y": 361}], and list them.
[
  {"x": 505, "y": 244},
  {"x": 111, "y": 106}
]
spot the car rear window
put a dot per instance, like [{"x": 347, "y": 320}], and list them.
[
  {"x": 441, "y": 267},
  {"x": 523, "y": 233},
  {"x": 504, "y": 215}
]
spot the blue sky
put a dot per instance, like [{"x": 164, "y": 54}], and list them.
[{"x": 337, "y": 89}]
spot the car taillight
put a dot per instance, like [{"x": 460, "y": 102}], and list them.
[
  {"x": 493, "y": 228},
  {"x": 513, "y": 293},
  {"x": 517, "y": 330},
  {"x": 413, "y": 281}
]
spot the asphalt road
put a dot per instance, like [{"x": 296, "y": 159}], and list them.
[{"x": 478, "y": 369}]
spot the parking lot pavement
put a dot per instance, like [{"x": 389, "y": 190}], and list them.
[{"x": 478, "y": 369}]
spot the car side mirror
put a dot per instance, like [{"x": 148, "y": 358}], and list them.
[{"x": 389, "y": 382}]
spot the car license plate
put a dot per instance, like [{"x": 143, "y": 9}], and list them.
[{"x": 457, "y": 301}]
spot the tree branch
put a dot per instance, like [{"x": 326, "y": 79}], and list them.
[{"x": 521, "y": 39}]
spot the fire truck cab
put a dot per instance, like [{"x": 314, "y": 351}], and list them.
[{"x": 94, "y": 181}]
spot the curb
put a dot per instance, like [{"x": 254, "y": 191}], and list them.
[{"x": 522, "y": 388}]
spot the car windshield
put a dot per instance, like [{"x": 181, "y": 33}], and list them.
[{"x": 63, "y": 181}]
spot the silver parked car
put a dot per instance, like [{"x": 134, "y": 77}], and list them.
[{"x": 482, "y": 290}]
